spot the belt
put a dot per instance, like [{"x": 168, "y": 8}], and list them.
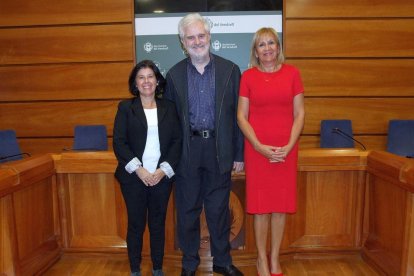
[{"x": 203, "y": 133}]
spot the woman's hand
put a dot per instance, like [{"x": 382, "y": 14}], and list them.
[
  {"x": 150, "y": 179},
  {"x": 157, "y": 176},
  {"x": 145, "y": 176},
  {"x": 266, "y": 150},
  {"x": 280, "y": 153}
]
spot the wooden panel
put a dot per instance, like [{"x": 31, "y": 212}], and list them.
[
  {"x": 390, "y": 213},
  {"x": 91, "y": 213},
  {"x": 34, "y": 225},
  {"x": 92, "y": 207},
  {"x": 377, "y": 142},
  {"x": 351, "y": 8},
  {"x": 66, "y": 44},
  {"x": 326, "y": 226},
  {"x": 350, "y": 38},
  {"x": 21, "y": 13},
  {"x": 86, "y": 162},
  {"x": 49, "y": 145},
  {"x": 327, "y": 160},
  {"x": 356, "y": 77},
  {"x": 56, "y": 119},
  {"x": 6, "y": 237},
  {"x": 65, "y": 82},
  {"x": 368, "y": 115},
  {"x": 408, "y": 262},
  {"x": 386, "y": 216},
  {"x": 8, "y": 179}
]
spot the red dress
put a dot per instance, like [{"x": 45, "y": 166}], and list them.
[{"x": 271, "y": 187}]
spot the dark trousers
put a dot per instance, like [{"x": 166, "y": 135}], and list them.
[
  {"x": 198, "y": 185},
  {"x": 142, "y": 201}
]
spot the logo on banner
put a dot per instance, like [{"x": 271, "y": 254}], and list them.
[
  {"x": 216, "y": 45},
  {"x": 148, "y": 47}
]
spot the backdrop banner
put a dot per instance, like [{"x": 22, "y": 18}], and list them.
[{"x": 157, "y": 37}]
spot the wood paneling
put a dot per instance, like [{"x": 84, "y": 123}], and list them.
[
  {"x": 56, "y": 118},
  {"x": 375, "y": 142},
  {"x": 85, "y": 162},
  {"x": 7, "y": 237},
  {"x": 368, "y": 115},
  {"x": 92, "y": 205},
  {"x": 326, "y": 226},
  {"x": 349, "y": 38},
  {"x": 350, "y": 8},
  {"x": 390, "y": 213},
  {"x": 28, "y": 208},
  {"x": 356, "y": 77},
  {"x": 23, "y": 13},
  {"x": 49, "y": 145},
  {"x": 88, "y": 43},
  {"x": 409, "y": 247},
  {"x": 34, "y": 225},
  {"x": 78, "y": 81}
]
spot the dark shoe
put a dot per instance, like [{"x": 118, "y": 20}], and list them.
[
  {"x": 185, "y": 272},
  {"x": 229, "y": 270}
]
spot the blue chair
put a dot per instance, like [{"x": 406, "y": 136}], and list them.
[
  {"x": 401, "y": 137},
  {"x": 9, "y": 148},
  {"x": 90, "y": 137},
  {"x": 336, "y": 134}
]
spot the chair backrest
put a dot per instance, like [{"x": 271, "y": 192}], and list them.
[
  {"x": 334, "y": 134},
  {"x": 90, "y": 137},
  {"x": 9, "y": 146},
  {"x": 401, "y": 137}
]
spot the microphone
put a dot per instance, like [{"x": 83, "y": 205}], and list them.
[
  {"x": 14, "y": 155},
  {"x": 340, "y": 132}
]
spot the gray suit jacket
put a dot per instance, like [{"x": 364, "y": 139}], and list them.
[{"x": 229, "y": 139}]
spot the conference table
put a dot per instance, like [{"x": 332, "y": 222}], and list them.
[{"x": 348, "y": 202}]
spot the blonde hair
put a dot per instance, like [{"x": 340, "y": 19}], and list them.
[{"x": 254, "y": 60}]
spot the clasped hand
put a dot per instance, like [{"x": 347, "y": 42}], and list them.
[
  {"x": 150, "y": 179},
  {"x": 274, "y": 154}
]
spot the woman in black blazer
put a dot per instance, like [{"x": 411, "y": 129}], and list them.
[{"x": 147, "y": 144}]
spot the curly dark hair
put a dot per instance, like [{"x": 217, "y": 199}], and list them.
[{"x": 151, "y": 65}]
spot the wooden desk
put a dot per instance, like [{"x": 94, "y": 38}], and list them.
[
  {"x": 390, "y": 242},
  {"x": 29, "y": 221},
  {"x": 348, "y": 200},
  {"x": 330, "y": 204}
]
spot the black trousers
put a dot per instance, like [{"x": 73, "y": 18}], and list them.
[
  {"x": 201, "y": 184},
  {"x": 142, "y": 202}
]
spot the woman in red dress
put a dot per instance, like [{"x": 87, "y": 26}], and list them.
[{"x": 271, "y": 116}]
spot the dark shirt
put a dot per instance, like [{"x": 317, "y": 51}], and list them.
[{"x": 201, "y": 94}]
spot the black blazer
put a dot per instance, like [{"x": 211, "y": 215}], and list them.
[
  {"x": 229, "y": 138},
  {"x": 130, "y": 135}
]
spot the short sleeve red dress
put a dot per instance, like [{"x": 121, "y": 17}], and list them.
[{"x": 271, "y": 187}]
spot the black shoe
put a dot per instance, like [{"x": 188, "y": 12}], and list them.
[
  {"x": 185, "y": 272},
  {"x": 229, "y": 270}
]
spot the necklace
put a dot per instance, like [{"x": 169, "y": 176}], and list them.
[{"x": 268, "y": 74}]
